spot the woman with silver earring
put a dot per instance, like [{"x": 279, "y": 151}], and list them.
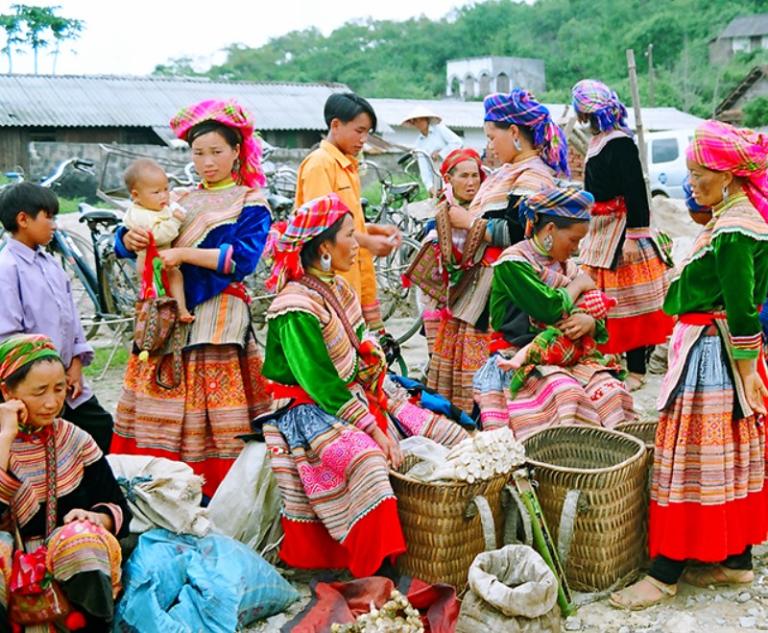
[
  {"x": 620, "y": 251},
  {"x": 532, "y": 149}
]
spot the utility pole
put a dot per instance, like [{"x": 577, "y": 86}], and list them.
[{"x": 651, "y": 96}]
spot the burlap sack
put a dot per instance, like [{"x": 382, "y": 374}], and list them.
[{"x": 511, "y": 590}]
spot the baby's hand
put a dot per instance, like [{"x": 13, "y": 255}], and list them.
[
  {"x": 505, "y": 364},
  {"x": 178, "y": 211}
]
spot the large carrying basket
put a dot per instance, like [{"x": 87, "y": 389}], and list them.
[
  {"x": 446, "y": 524},
  {"x": 592, "y": 486}
]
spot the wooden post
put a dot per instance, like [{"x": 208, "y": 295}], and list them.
[{"x": 638, "y": 119}]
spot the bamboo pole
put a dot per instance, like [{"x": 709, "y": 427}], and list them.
[{"x": 638, "y": 119}]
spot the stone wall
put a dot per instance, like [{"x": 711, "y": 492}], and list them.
[{"x": 112, "y": 160}]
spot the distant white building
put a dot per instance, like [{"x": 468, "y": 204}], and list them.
[{"x": 477, "y": 77}]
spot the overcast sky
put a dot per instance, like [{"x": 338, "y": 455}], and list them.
[{"x": 132, "y": 36}]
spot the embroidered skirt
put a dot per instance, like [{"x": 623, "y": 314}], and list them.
[
  {"x": 708, "y": 496},
  {"x": 460, "y": 351},
  {"x": 197, "y": 422},
  {"x": 551, "y": 396},
  {"x": 639, "y": 284}
]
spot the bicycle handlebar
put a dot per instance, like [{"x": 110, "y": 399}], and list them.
[
  {"x": 80, "y": 164},
  {"x": 412, "y": 155}
]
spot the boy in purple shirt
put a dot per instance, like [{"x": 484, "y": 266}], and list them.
[{"x": 36, "y": 298}]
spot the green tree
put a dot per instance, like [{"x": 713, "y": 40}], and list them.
[
  {"x": 575, "y": 38},
  {"x": 756, "y": 112},
  {"x": 42, "y": 26},
  {"x": 11, "y": 23}
]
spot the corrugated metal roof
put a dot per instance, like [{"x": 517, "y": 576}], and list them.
[
  {"x": 746, "y": 26},
  {"x": 469, "y": 114},
  {"x": 102, "y": 101}
]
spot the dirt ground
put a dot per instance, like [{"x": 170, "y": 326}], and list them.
[{"x": 691, "y": 611}]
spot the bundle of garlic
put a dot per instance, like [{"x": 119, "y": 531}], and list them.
[
  {"x": 480, "y": 457},
  {"x": 395, "y": 616},
  {"x": 485, "y": 455}
]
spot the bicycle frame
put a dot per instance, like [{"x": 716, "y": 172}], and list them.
[{"x": 64, "y": 244}]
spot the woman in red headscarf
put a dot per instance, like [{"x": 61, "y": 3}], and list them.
[
  {"x": 343, "y": 418},
  {"x": 219, "y": 243},
  {"x": 462, "y": 173},
  {"x": 532, "y": 149},
  {"x": 709, "y": 499}
]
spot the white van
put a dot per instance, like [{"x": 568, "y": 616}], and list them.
[{"x": 666, "y": 161}]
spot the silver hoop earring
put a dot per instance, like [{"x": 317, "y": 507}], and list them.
[
  {"x": 725, "y": 193},
  {"x": 325, "y": 263},
  {"x": 547, "y": 243},
  {"x": 516, "y": 143}
]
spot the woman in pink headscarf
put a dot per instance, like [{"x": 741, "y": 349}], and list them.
[
  {"x": 709, "y": 500},
  {"x": 219, "y": 244}
]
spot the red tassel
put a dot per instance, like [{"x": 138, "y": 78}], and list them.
[{"x": 75, "y": 621}]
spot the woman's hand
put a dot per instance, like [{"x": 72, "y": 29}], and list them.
[
  {"x": 577, "y": 325},
  {"x": 389, "y": 447},
  {"x": 755, "y": 391},
  {"x": 136, "y": 240},
  {"x": 97, "y": 518},
  {"x": 12, "y": 413},
  {"x": 460, "y": 218},
  {"x": 173, "y": 257}
]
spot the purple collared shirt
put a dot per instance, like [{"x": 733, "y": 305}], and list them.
[{"x": 36, "y": 298}]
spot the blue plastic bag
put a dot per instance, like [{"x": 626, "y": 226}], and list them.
[{"x": 184, "y": 584}]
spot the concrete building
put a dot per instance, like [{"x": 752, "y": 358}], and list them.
[
  {"x": 744, "y": 34},
  {"x": 477, "y": 77}
]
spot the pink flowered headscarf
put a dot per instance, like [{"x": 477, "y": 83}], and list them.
[
  {"x": 744, "y": 153},
  {"x": 287, "y": 238},
  {"x": 231, "y": 114}
]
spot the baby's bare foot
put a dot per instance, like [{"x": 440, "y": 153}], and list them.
[{"x": 186, "y": 317}]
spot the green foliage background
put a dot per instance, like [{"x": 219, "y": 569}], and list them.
[{"x": 576, "y": 39}]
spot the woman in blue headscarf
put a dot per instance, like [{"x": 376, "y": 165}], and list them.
[
  {"x": 533, "y": 151},
  {"x": 538, "y": 289}
]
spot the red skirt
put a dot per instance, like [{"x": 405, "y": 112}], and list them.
[{"x": 639, "y": 284}]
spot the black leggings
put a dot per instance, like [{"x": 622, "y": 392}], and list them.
[
  {"x": 637, "y": 359},
  {"x": 669, "y": 571}
]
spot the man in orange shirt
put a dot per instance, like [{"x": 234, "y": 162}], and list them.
[{"x": 332, "y": 168}]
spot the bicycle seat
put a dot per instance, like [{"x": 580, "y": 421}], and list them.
[
  {"x": 364, "y": 203},
  {"x": 406, "y": 190},
  {"x": 99, "y": 216}
]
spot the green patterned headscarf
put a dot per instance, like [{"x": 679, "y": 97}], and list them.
[{"x": 21, "y": 349}]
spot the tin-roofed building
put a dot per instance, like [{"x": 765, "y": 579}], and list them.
[{"x": 136, "y": 110}]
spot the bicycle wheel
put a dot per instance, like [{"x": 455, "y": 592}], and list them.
[
  {"x": 396, "y": 299},
  {"x": 79, "y": 266},
  {"x": 118, "y": 282}
]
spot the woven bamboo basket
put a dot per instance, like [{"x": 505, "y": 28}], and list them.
[
  {"x": 444, "y": 526},
  {"x": 646, "y": 433},
  {"x": 592, "y": 492}
]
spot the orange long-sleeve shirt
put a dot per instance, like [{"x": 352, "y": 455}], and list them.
[{"x": 328, "y": 170}]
